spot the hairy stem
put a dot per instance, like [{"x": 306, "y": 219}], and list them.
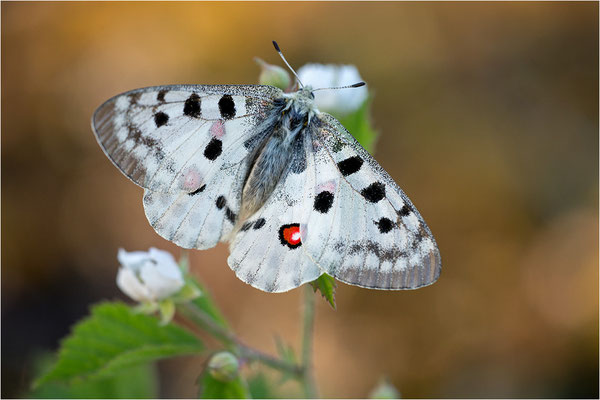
[
  {"x": 308, "y": 380},
  {"x": 202, "y": 319}
]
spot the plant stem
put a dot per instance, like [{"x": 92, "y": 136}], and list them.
[
  {"x": 308, "y": 380},
  {"x": 233, "y": 343}
]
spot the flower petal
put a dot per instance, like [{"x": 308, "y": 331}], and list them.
[
  {"x": 339, "y": 102},
  {"x": 129, "y": 284},
  {"x": 159, "y": 284},
  {"x": 132, "y": 259},
  {"x": 166, "y": 263}
]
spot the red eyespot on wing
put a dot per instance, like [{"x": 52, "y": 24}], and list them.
[{"x": 290, "y": 236}]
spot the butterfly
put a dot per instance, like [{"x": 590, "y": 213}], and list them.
[{"x": 289, "y": 188}]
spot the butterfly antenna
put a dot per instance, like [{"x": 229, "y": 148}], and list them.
[
  {"x": 358, "y": 84},
  {"x": 286, "y": 63}
]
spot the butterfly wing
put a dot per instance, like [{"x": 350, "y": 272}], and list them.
[
  {"x": 188, "y": 147},
  {"x": 363, "y": 230},
  {"x": 267, "y": 250}
]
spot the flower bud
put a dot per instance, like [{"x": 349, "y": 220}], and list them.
[
  {"x": 148, "y": 276},
  {"x": 337, "y": 102},
  {"x": 273, "y": 75},
  {"x": 224, "y": 366}
]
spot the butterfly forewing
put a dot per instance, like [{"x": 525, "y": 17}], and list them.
[
  {"x": 367, "y": 233},
  {"x": 188, "y": 147},
  {"x": 172, "y": 138}
]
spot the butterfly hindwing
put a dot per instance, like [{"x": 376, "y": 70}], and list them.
[
  {"x": 267, "y": 250},
  {"x": 198, "y": 220}
]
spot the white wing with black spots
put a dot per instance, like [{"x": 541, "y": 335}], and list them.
[
  {"x": 188, "y": 146},
  {"x": 172, "y": 138},
  {"x": 364, "y": 230},
  {"x": 267, "y": 250},
  {"x": 198, "y": 220}
]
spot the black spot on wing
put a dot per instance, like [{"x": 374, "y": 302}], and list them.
[
  {"x": 213, "y": 149},
  {"x": 385, "y": 225},
  {"x": 350, "y": 165},
  {"x": 160, "y": 119},
  {"x": 230, "y": 215},
  {"x": 374, "y": 192},
  {"x": 220, "y": 202},
  {"x": 259, "y": 223},
  {"x": 161, "y": 95},
  {"x": 404, "y": 211},
  {"x": 227, "y": 107},
  {"x": 191, "y": 107},
  {"x": 199, "y": 190},
  {"x": 323, "y": 202}
]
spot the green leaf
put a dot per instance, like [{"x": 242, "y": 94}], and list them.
[
  {"x": 211, "y": 388},
  {"x": 138, "y": 382},
  {"x": 326, "y": 285},
  {"x": 114, "y": 338},
  {"x": 359, "y": 125}
]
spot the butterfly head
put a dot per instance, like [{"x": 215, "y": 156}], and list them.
[{"x": 302, "y": 101}]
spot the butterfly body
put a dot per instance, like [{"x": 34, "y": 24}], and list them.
[
  {"x": 286, "y": 185},
  {"x": 286, "y": 120}
]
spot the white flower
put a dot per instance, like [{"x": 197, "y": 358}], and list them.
[
  {"x": 148, "y": 276},
  {"x": 341, "y": 102}
]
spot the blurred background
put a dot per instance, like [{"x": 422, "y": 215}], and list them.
[{"x": 488, "y": 114}]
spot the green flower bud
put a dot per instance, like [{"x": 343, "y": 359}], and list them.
[
  {"x": 224, "y": 366},
  {"x": 273, "y": 75}
]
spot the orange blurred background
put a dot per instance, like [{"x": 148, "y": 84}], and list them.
[{"x": 488, "y": 114}]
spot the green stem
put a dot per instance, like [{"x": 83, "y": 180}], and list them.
[
  {"x": 308, "y": 380},
  {"x": 204, "y": 320}
]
